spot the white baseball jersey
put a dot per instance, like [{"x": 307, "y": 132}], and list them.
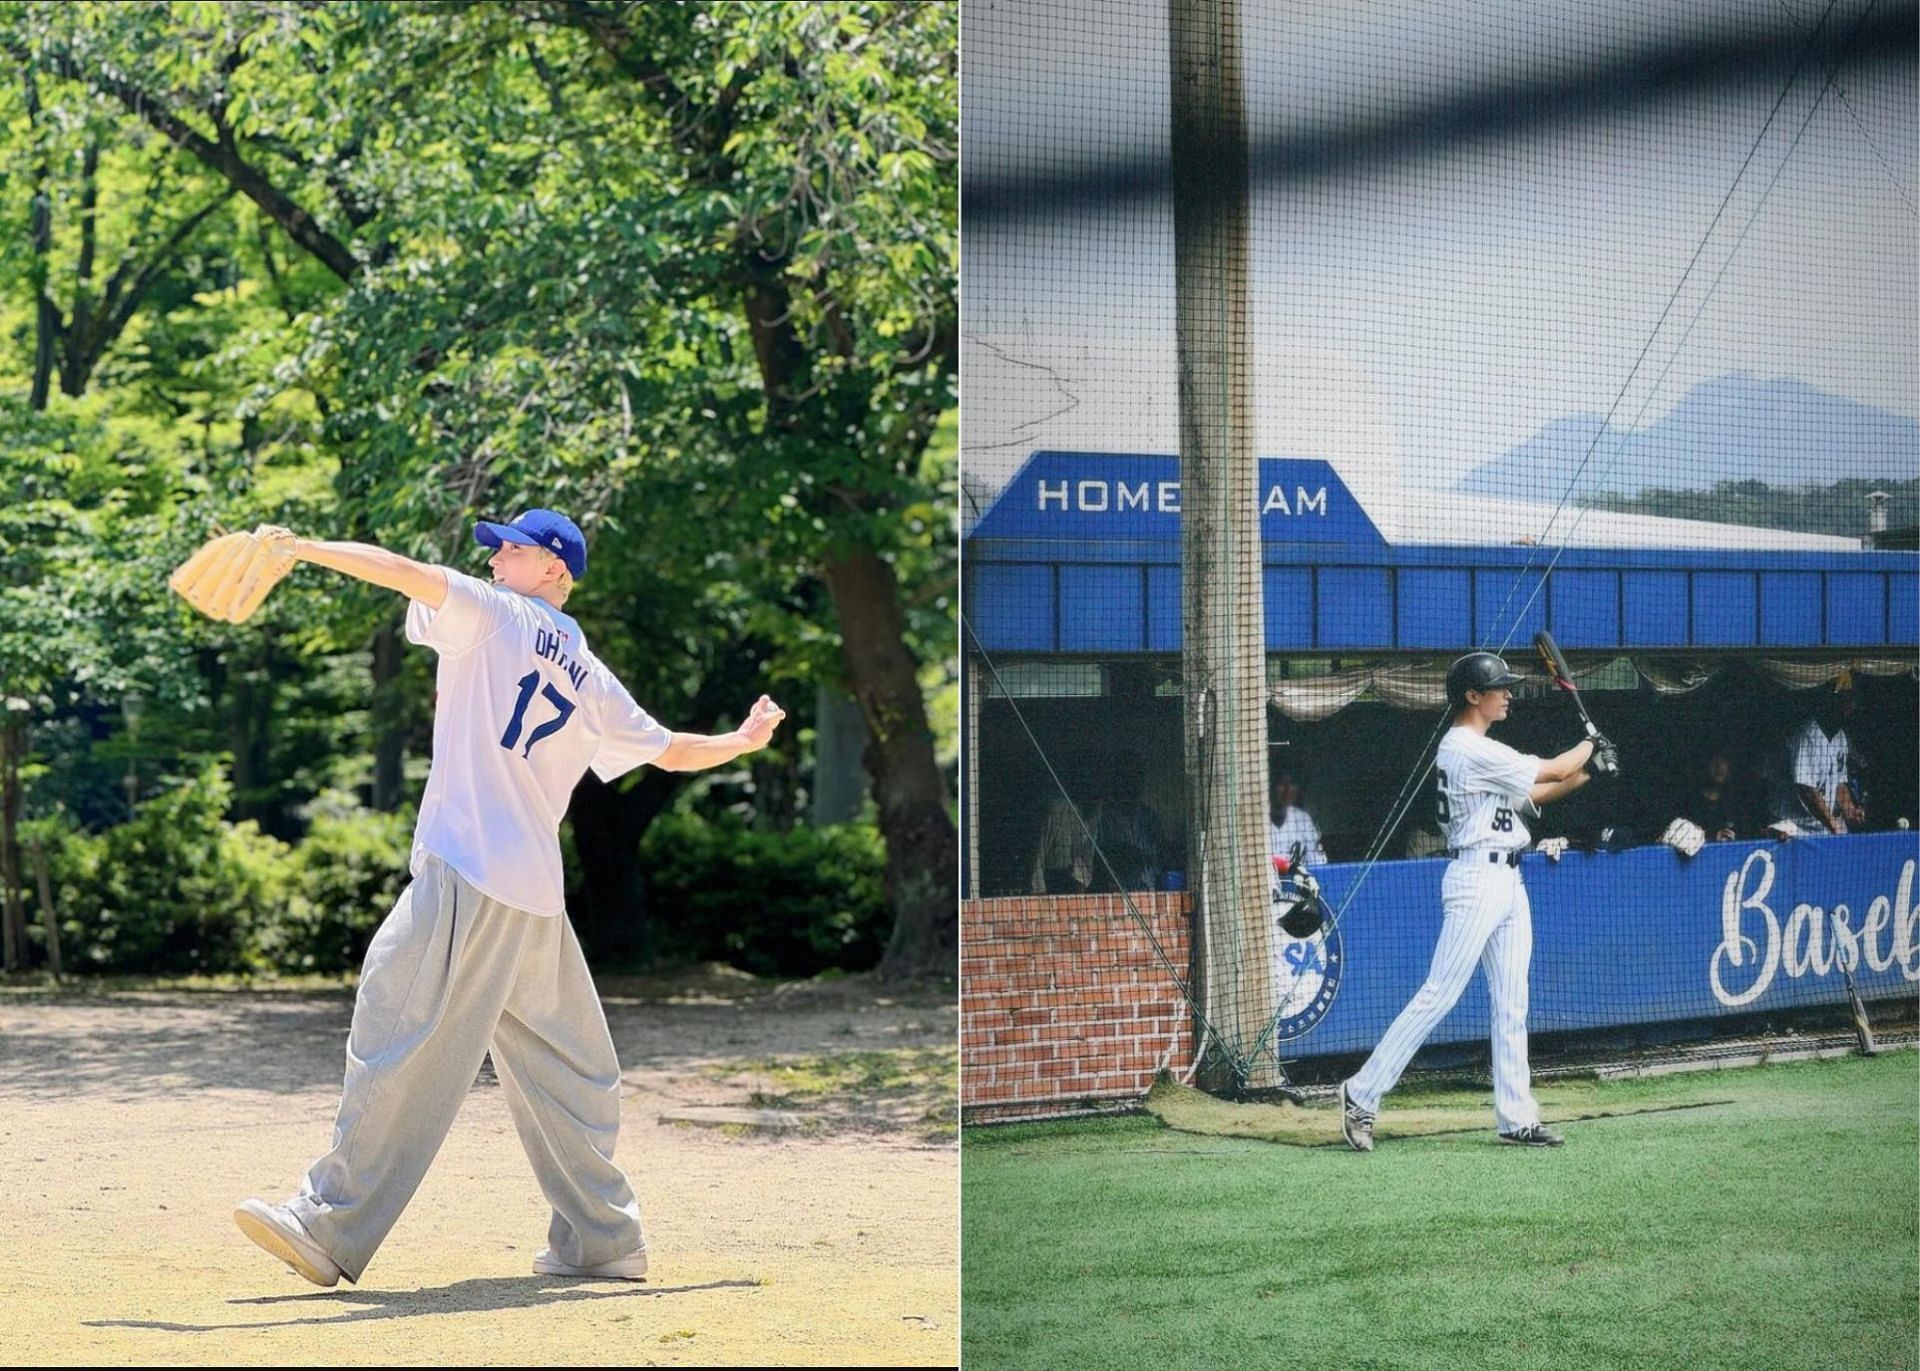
[
  {"x": 1297, "y": 827},
  {"x": 1818, "y": 762},
  {"x": 1483, "y": 790},
  {"x": 522, "y": 710}
]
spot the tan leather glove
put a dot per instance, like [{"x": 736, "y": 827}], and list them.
[{"x": 233, "y": 573}]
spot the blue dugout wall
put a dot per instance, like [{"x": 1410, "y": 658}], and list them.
[
  {"x": 1081, "y": 554},
  {"x": 1635, "y": 937}
]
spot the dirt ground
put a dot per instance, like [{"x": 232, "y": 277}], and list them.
[{"x": 133, "y": 1121}]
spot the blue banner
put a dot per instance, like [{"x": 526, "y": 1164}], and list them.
[
  {"x": 1623, "y": 938},
  {"x": 1120, "y": 496}
]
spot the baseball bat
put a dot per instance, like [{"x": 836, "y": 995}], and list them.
[
  {"x": 1862, "y": 1030},
  {"x": 1562, "y": 676}
]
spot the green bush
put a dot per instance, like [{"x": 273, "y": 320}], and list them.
[
  {"x": 347, "y": 872},
  {"x": 776, "y": 904},
  {"x": 179, "y": 890},
  {"x": 175, "y": 890}
]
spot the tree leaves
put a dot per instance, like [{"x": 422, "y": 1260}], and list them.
[{"x": 685, "y": 271}]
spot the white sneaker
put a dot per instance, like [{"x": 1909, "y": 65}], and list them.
[
  {"x": 632, "y": 1267},
  {"x": 274, "y": 1227}
]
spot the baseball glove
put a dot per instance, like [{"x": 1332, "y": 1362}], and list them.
[
  {"x": 233, "y": 573},
  {"x": 1684, "y": 836}
]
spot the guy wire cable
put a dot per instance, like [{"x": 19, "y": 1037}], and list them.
[
  {"x": 1573, "y": 481},
  {"x": 1584, "y": 507},
  {"x": 1840, "y": 93},
  {"x": 1153, "y": 940},
  {"x": 1680, "y": 285}
]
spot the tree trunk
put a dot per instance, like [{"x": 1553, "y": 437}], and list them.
[
  {"x": 922, "y": 860},
  {"x": 388, "y": 718},
  {"x": 47, "y": 325},
  {"x": 74, "y": 369},
  {"x": 776, "y": 789},
  {"x": 610, "y": 913},
  {"x": 13, "y": 924},
  {"x": 240, "y": 744},
  {"x": 49, "y": 919},
  {"x": 840, "y": 741},
  {"x": 249, "y": 732},
  {"x": 923, "y": 867}
]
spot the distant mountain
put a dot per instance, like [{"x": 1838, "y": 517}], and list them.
[{"x": 1781, "y": 432}]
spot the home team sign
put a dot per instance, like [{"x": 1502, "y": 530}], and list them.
[{"x": 1108, "y": 495}]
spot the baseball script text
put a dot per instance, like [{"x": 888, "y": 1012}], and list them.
[{"x": 1811, "y": 940}]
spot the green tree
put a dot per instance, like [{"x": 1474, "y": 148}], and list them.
[{"x": 685, "y": 270}]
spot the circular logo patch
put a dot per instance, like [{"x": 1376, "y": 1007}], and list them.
[{"x": 1306, "y": 971}]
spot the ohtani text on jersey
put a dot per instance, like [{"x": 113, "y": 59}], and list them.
[{"x": 548, "y": 645}]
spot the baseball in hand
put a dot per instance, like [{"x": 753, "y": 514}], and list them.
[{"x": 762, "y": 719}]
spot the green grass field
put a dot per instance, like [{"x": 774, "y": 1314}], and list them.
[{"x": 1773, "y": 1226}]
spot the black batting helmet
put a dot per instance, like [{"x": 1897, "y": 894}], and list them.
[
  {"x": 1306, "y": 916},
  {"x": 1476, "y": 671}
]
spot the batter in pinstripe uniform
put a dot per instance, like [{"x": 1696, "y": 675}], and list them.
[{"x": 1485, "y": 791}]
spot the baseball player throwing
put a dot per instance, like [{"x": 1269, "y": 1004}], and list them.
[
  {"x": 477, "y": 953},
  {"x": 1484, "y": 789}
]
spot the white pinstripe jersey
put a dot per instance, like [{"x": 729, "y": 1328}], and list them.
[{"x": 1483, "y": 787}]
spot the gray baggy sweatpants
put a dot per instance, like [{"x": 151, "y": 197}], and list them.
[{"x": 450, "y": 974}]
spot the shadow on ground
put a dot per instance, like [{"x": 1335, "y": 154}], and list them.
[
  {"x": 137, "y": 1043},
  {"x": 475, "y": 1296}
]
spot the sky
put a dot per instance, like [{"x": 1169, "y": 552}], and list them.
[{"x": 1421, "y": 301}]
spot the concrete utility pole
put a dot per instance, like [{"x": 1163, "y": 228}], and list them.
[{"x": 1224, "y": 621}]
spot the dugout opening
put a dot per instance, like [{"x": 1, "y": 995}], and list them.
[{"x": 1110, "y": 730}]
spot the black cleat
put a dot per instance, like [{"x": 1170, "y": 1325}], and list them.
[
  {"x": 1356, "y": 1124},
  {"x": 1533, "y": 1135}
]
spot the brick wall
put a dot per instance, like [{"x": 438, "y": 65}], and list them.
[{"x": 1062, "y": 998}]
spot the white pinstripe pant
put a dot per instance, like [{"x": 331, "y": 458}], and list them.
[{"x": 1488, "y": 921}]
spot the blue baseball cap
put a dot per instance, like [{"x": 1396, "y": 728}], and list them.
[{"x": 539, "y": 528}]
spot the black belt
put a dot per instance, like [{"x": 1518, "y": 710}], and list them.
[{"x": 1497, "y": 858}]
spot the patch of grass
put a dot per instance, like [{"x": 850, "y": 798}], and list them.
[
  {"x": 697, "y": 983},
  {"x": 940, "y": 1122},
  {"x": 1073, "y": 1133},
  {"x": 1776, "y": 1231},
  {"x": 1461, "y": 1111},
  {"x": 907, "y": 1090},
  {"x": 795, "y": 1082}
]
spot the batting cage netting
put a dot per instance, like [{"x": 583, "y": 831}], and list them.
[{"x": 1310, "y": 348}]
